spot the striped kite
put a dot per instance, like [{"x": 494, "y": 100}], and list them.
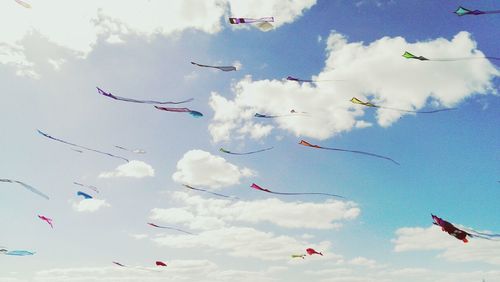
[
  {"x": 195, "y": 114},
  {"x": 222, "y": 68},
  {"x": 409, "y": 55},
  {"x": 263, "y": 24},
  {"x": 461, "y": 11}
]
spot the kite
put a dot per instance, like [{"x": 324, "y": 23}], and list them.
[
  {"x": 26, "y": 186},
  {"x": 172, "y": 228},
  {"x": 160, "y": 263},
  {"x": 461, "y": 11},
  {"x": 292, "y": 113},
  {"x": 119, "y": 264},
  {"x": 263, "y": 24},
  {"x": 76, "y": 150},
  {"x": 302, "y": 256},
  {"x": 46, "y": 219},
  {"x": 311, "y": 252},
  {"x": 309, "y": 80},
  {"x": 305, "y": 143},
  {"x": 368, "y": 104},
  {"x": 102, "y": 92},
  {"x": 195, "y": 114},
  {"x": 137, "y": 151},
  {"x": 85, "y": 195},
  {"x": 247, "y": 153},
  {"x": 257, "y": 187},
  {"x": 462, "y": 234},
  {"x": 20, "y": 253},
  {"x": 206, "y": 191},
  {"x": 82, "y": 147},
  {"x": 409, "y": 55},
  {"x": 222, "y": 68},
  {"x": 93, "y": 188},
  {"x": 24, "y": 4}
]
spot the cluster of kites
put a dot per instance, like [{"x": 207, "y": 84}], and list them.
[{"x": 264, "y": 24}]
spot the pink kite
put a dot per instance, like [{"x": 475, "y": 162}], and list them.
[
  {"x": 311, "y": 252},
  {"x": 46, "y": 219}
]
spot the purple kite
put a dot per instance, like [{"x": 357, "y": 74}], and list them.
[
  {"x": 462, "y": 234},
  {"x": 102, "y": 92},
  {"x": 32, "y": 189},
  {"x": 82, "y": 147},
  {"x": 206, "y": 191},
  {"x": 257, "y": 187},
  {"x": 46, "y": 219},
  {"x": 167, "y": 227},
  {"x": 222, "y": 68},
  {"x": 195, "y": 114},
  {"x": 461, "y": 11}
]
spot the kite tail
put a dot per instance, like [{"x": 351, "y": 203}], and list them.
[
  {"x": 363, "y": 153},
  {"x": 482, "y": 235},
  {"x": 418, "y": 112}
]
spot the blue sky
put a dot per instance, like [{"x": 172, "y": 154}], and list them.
[{"x": 383, "y": 232}]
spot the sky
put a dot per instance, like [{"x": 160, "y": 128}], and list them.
[{"x": 54, "y": 55}]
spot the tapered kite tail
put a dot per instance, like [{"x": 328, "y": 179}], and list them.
[
  {"x": 206, "y": 191},
  {"x": 30, "y": 188},
  {"x": 246, "y": 153},
  {"x": 305, "y": 143},
  {"x": 171, "y": 228},
  {"x": 82, "y": 147},
  {"x": 257, "y": 187},
  {"x": 104, "y": 93}
]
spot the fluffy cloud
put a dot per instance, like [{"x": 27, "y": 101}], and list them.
[
  {"x": 86, "y": 21},
  {"x": 432, "y": 238},
  {"x": 90, "y": 205},
  {"x": 200, "y": 168},
  {"x": 202, "y": 213},
  {"x": 375, "y": 72},
  {"x": 135, "y": 169}
]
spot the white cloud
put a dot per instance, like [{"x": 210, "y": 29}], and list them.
[
  {"x": 200, "y": 168},
  {"x": 209, "y": 213},
  {"x": 375, "y": 72},
  {"x": 139, "y": 236},
  {"x": 432, "y": 238},
  {"x": 134, "y": 168},
  {"x": 90, "y": 205},
  {"x": 86, "y": 21}
]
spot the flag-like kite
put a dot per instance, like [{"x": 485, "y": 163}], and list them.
[
  {"x": 195, "y": 114},
  {"x": 84, "y": 195},
  {"x": 137, "y": 151},
  {"x": 462, "y": 234},
  {"x": 82, "y": 147},
  {"x": 305, "y": 143},
  {"x": 160, "y": 263},
  {"x": 257, "y": 187},
  {"x": 461, "y": 11},
  {"x": 263, "y": 24},
  {"x": 355, "y": 100},
  {"x": 24, "y": 4},
  {"x": 222, "y": 68},
  {"x": 246, "y": 153},
  {"x": 93, "y": 188},
  {"x": 291, "y": 78},
  {"x": 171, "y": 228},
  {"x": 311, "y": 252},
  {"x": 46, "y": 219},
  {"x": 102, "y": 92},
  {"x": 210, "y": 192},
  {"x": 20, "y": 253},
  {"x": 302, "y": 256},
  {"x": 409, "y": 55},
  {"x": 32, "y": 189}
]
